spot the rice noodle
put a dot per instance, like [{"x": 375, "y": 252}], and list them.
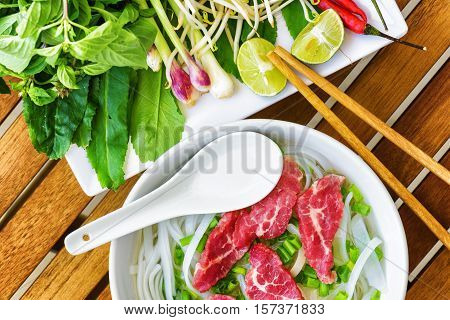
[
  {"x": 166, "y": 260},
  {"x": 190, "y": 251},
  {"x": 359, "y": 265},
  {"x": 240, "y": 278},
  {"x": 140, "y": 273}
]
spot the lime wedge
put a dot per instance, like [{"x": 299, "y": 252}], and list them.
[
  {"x": 256, "y": 70},
  {"x": 320, "y": 39}
]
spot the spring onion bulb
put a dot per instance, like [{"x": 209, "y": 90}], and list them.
[
  {"x": 359, "y": 265},
  {"x": 339, "y": 242},
  {"x": 154, "y": 59},
  {"x": 299, "y": 263},
  {"x": 373, "y": 270}
]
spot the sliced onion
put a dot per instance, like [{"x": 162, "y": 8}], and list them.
[
  {"x": 339, "y": 242},
  {"x": 359, "y": 265},
  {"x": 373, "y": 270},
  {"x": 299, "y": 263},
  {"x": 293, "y": 229},
  {"x": 241, "y": 279}
]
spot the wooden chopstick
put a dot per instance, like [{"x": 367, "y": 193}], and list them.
[
  {"x": 368, "y": 117},
  {"x": 362, "y": 150}
]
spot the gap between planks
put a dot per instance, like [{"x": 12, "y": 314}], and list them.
[{"x": 346, "y": 83}]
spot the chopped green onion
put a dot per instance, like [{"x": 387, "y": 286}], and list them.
[
  {"x": 361, "y": 208},
  {"x": 213, "y": 223},
  {"x": 289, "y": 247},
  {"x": 376, "y": 295},
  {"x": 240, "y": 270},
  {"x": 232, "y": 285},
  {"x": 379, "y": 253},
  {"x": 202, "y": 243},
  {"x": 311, "y": 283},
  {"x": 342, "y": 295},
  {"x": 178, "y": 255},
  {"x": 185, "y": 295},
  {"x": 350, "y": 264},
  {"x": 324, "y": 289},
  {"x": 284, "y": 255},
  {"x": 353, "y": 251},
  {"x": 294, "y": 240},
  {"x": 343, "y": 273},
  {"x": 300, "y": 278},
  {"x": 357, "y": 196},
  {"x": 344, "y": 191},
  {"x": 186, "y": 240},
  {"x": 309, "y": 271}
]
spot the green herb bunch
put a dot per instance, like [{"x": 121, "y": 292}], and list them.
[{"x": 83, "y": 76}]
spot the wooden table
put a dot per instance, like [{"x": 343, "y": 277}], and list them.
[{"x": 41, "y": 201}]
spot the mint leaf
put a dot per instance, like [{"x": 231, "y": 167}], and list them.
[
  {"x": 294, "y": 17},
  {"x": 108, "y": 147},
  {"x": 156, "y": 122},
  {"x": 4, "y": 89},
  {"x": 51, "y": 127},
  {"x": 83, "y": 134}
]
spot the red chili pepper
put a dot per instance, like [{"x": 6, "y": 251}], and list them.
[
  {"x": 352, "y": 7},
  {"x": 350, "y": 20},
  {"x": 356, "y": 23}
]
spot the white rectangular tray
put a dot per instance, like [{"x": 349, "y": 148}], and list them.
[{"x": 209, "y": 111}]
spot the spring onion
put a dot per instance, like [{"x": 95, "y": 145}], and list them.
[
  {"x": 343, "y": 273},
  {"x": 202, "y": 244},
  {"x": 342, "y": 295},
  {"x": 239, "y": 270},
  {"x": 154, "y": 59},
  {"x": 324, "y": 289},
  {"x": 379, "y": 253},
  {"x": 199, "y": 78},
  {"x": 284, "y": 255},
  {"x": 353, "y": 251},
  {"x": 311, "y": 283},
  {"x": 361, "y": 208},
  {"x": 186, "y": 240},
  {"x": 309, "y": 271}
]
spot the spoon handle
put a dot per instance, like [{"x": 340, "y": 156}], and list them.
[{"x": 148, "y": 210}]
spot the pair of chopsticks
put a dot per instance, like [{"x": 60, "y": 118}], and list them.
[{"x": 280, "y": 56}]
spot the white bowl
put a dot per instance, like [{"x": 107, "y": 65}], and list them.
[{"x": 384, "y": 220}]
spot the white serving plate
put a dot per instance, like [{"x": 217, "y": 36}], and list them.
[
  {"x": 210, "y": 111},
  {"x": 384, "y": 220}
]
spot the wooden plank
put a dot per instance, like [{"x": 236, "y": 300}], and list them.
[
  {"x": 19, "y": 162},
  {"x": 428, "y": 128},
  {"x": 434, "y": 195},
  {"x": 37, "y": 226},
  {"x": 7, "y": 101},
  {"x": 74, "y": 277},
  {"x": 396, "y": 70},
  {"x": 105, "y": 294},
  {"x": 434, "y": 283}
]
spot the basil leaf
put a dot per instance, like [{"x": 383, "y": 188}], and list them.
[
  {"x": 95, "y": 42},
  {"x": 51, "y": 127},
  {"x": 16, "y": 52},
  {"x": 95, "y": 69},
  {"x": 108, "y": 147},
  {"x": 39, "y": 13},
  {"x": 36, "y": 65},
  {"x": 124, "y": 51},
  {"x": 4, "y": 89},
  {"x": 84, "y": 11},
  {"x": 7, "y": 22},
  {"x": 129, "y": 14},
  {"x": 83, "y": 134},
  {"x": 42, "y": 97},
  {"x": 49, "y": 51},
  {"x": 145, "y": 30},
  {"x": 147, "y": 13},
  {"x": 294, "y": 17},
  {"x": 156, "y": 123},
  {"x": 66, "y": 75},
  {"x": 52, "y": 36}
]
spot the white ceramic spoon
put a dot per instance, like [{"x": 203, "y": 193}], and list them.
[{"x": 230, "y": 173}]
